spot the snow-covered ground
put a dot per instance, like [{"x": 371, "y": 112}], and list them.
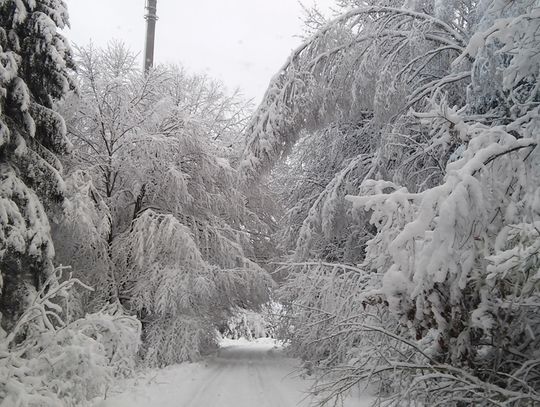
[{"x": 242, "y": 374}]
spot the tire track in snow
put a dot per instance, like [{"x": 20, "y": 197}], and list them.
[{"x": 205, "y": 386}]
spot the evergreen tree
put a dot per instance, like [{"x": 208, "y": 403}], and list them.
[{"x": 35, "y": 64}]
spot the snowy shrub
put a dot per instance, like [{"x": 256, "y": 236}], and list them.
[
  {"x": 177, "y": 338},
  {"x": 118, "y": 334},
  {"x": 47, "y": 362}
]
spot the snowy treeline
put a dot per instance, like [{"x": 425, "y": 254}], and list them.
[
  {"x": 124, "y": 236},
  {"x": 250, "y": 325},
  {"x": 408, "y": 134}
]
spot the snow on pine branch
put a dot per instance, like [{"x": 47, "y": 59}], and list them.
[{"x": 31, "y": 137}]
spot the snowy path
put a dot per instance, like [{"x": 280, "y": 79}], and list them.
[
  {"x": 242, "y": 374},
  {"x": 247, "y": 376}
]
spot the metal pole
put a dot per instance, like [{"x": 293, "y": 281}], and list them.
[{"x": 151, "y": 18}]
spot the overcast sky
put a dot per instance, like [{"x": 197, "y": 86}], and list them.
[{"x": 241, "y": 42}]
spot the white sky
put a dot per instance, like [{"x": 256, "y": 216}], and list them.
[{"x": 241, "y": 42}]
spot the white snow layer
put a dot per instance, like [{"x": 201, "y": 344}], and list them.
[{"x": 242, "y": 373}]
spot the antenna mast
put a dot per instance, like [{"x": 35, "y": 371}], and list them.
[{"x": 151, "y": 18}]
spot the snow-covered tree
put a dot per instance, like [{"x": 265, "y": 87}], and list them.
[
  {"x": 104, "y": 120},
  {"x": 154, "y": 153},
  {"x": 415, "y": 258},
  {"x": 31, "y": 137},
  {"x": 46, "y": 357}
]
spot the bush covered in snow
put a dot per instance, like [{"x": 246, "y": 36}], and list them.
[{"x": 45, "y": 361}]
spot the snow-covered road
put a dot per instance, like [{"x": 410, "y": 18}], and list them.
[
  {"x": 242, "y": 374},
  {"x": 247, "y": 375}
]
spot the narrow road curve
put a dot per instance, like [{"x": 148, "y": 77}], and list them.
[{"x": 241, "y": 374}]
